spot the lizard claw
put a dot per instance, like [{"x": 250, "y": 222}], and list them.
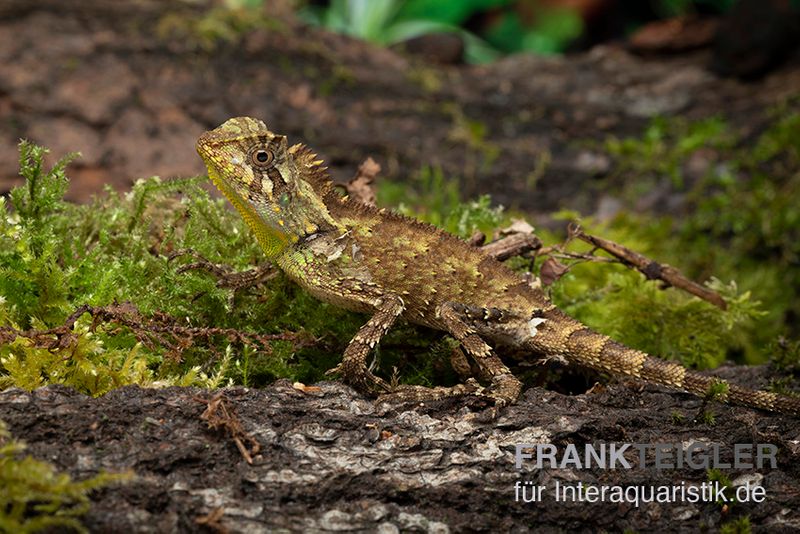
[
  {"x": 406, "y": 394},
  {"x": 360, "y": 378}
]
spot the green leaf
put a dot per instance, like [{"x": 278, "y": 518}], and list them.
[
  {"x": 405, "y": 30},
  {"x": 447, "y": 11}
]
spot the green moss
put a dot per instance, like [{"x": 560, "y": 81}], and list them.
[
  {"x": 622, "y": 303},
  {"x": 736, "y": 526},
  {"x": 36, "y": 497},
  {"x": 740, "y": 222},
  {"x": 56, "y": 256},
  {"x": 708, "y": 418},
  {"x": 718, "y": 476},
  {"x": 677, "y": 418},
  {"x": 224, "y": 23},
  {"x": 665, "y": 146},
  {"x": 671, "y": 324},
  {"x": 717, "y": 390}
]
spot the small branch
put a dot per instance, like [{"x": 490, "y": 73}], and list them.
[
  {"x": 578, "y": 257},
  {"x": 512, "y": 245},
  {"x": 650, "y": 268},
  {"x": 225, "y": 278}
]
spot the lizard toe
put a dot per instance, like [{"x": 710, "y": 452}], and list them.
[{"x": 334, "y": 370}]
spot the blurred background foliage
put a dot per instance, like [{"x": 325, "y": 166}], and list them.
[{"x": 491, "y": 28}]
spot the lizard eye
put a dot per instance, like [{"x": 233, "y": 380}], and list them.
[
  {"x": 262, "y": 157},
  {"x": 284, "y": 200}
]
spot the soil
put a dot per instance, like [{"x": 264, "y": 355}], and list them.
[{"x": 132, "y": 93}]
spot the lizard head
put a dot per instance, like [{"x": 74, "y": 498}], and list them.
[{"x": 258, "y": 173}]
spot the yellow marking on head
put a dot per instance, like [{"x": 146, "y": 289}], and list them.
[
  {"x": 276, "y": 209},
  {"x": 247, "y": 176},
  {"x": 280, "y": 221}
]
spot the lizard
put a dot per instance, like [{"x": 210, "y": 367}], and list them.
[{"x": 378, "y": 262}]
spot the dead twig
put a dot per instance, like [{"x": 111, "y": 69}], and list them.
[
  {"x": 212, "y": 520},
  {"x": 218, "y": 415},
  {"x": 225, "y": 278},
  {"x": 512, "y": 245},
  {"x": 516, "y": 240},
  {"x": 650, "y": 268},
  {"x": 160, "y": 330}
]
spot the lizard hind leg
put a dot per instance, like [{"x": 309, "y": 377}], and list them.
[
  {"x": 458, "y": 319},
  {"x": 504, "y": 387}
]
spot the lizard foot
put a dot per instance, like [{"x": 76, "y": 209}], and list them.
[
  {"x": 505, "y": 390},
  {"x": 361, "y": 379},
  {"x": 408, "y": 394}
]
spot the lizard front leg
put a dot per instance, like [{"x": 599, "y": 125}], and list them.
[{"x": 353, "y": 368}]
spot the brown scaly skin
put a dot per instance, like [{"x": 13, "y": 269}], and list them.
[{"x": 378, "y": 262}]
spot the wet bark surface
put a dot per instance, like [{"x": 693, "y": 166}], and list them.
[{"x": 331, "y": 460}]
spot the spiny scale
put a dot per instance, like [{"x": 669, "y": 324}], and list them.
[{"x": 382, "y": 263}]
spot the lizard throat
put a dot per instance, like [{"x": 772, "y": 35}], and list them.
[{"x": 272, "y": 240}]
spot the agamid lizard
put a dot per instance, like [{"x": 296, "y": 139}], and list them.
[{"x": 381, "y": 263}]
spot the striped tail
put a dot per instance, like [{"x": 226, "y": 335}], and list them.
[{"x": 560, "y": 334}]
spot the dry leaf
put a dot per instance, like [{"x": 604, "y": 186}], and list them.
[{"x": 552, "y": 270}]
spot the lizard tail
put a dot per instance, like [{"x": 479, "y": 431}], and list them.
[
  {"x": 672, "y": 374},
  {"x": 579, "y": 344}
]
